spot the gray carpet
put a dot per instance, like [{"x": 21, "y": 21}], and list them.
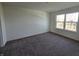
[{"x": 46, "y": 44}]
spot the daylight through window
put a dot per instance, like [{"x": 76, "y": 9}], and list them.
[
  {"x": 67, "y": 21},
  {"x": 60, "y": 21}
]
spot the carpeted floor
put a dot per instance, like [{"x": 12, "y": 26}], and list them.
[{"x": 46, "y": 44}]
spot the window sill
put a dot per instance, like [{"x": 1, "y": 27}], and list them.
[{"x": 66, "y": 30}]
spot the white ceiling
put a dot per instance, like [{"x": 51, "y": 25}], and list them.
[{"x": 44, "y": 6}]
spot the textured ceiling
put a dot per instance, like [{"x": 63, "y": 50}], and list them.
[{"x": 44, "y": 6}]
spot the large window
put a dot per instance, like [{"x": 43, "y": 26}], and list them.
[
  {"x": 67, "y": 21},
  {"x": 60, "y": 21},
  {"x": 71, "y": 21}
]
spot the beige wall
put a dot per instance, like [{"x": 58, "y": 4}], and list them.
[
  {"x": 74, "y": 35},
  {"x": 22, "y": 22}
]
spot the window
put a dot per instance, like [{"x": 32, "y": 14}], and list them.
[
  {"x": 67, "y": 21},
  {"x": 71, "y": 21},
  {"x": 60, "y": 21}
]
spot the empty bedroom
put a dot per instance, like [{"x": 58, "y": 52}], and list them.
[{"x": 39, "y": 28}]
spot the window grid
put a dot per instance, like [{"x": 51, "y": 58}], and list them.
[
  {"x": 68, "y": 24},
  {"x": 60, "y": 21}
]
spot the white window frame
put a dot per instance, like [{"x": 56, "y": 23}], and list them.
[
  {"x": 65, "y": 21},
  {"x": 59, "y": 21}
]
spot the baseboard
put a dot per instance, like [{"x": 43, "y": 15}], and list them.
[
  {"x": 25, "y": 37},
  {"x": 64, "y": 36},
  {"x": 43, "y": 33},
  {"x": 3, "y": 44}
]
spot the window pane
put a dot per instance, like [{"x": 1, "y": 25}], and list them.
[
  {"x": 71, "y": 21},
  {"x": 71, "y": 26},
  {"x": 60, "y": 21}
]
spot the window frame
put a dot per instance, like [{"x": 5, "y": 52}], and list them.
[{"x": 65, "y": 21}]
